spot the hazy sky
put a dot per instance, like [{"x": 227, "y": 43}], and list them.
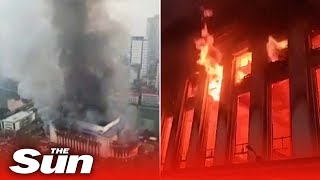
[{"x": 134, "y": 13}]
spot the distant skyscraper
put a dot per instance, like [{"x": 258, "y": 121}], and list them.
[
  {"x": 138, "y": 57},
  {"x": 153, "y": 38}
]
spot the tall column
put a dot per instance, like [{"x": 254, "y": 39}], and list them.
[
  {"x": 171, "y": 161},
  {"x": 223, "y": 145},
  {"x": 82, "y": 143},
  {"x": 303, "y": 116},
  {"x": 186, "y": 123},
  {"x": 72, "y": 143},
  {"x": 77, "y": 145},
  {"x": 203, "y": 129},
  {"x": 196, "y": 154},
  {"x": 259, "y": 123},
  {"x": 166, "y": 124}
]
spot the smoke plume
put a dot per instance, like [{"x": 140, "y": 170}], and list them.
[{"x": 66, "y": 57}]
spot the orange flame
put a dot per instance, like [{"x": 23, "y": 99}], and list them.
[
  {"x": 243, "y": 66},
  {"x": 274, "y": 48},
  {"x": 210, "y": 57}
]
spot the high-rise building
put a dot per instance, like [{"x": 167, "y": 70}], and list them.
[
  {"x": 153, "y": 38},
  {"x": 153, "y": 53},
  {"x": 138, "y": 57}
]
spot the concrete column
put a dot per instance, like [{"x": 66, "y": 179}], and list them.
[
  {"x": 83, "y": 144},
  {"x": 76, "y": 146},
  {"x": 86, "y": 146},
  {"x": 166, "y": 122},
  {"x": 196, "y": 154},
  {"x": 303, "y": 116},
  {"x": 223, "y": 145},
  {"x": 259, "y": 124},
  {"x": 72, "y": 143},
  {"x": 172, "y": 159},
  {"x": 203, "y": 129}
]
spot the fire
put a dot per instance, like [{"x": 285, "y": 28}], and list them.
[
  {"x": 243, "y": 66},
  {"x": 274, "y": 48},
  {"x": 210, "y": 57}
]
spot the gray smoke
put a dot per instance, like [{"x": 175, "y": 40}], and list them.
[{"x": 65, "y": 55}]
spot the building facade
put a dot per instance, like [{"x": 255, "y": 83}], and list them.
[{"x": 268, "y": 107}]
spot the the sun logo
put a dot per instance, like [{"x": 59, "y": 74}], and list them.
[{"x": 65, "y": 164}]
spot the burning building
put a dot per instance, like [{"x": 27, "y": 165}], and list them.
[
  {"x": 252, "y": 93},
  {"x": 103, "y": 141},
  {"x": 87, "y": 138},
  {"x": 76, "y": 78}
]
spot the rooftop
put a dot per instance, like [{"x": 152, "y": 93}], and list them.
[{"x": 16, "y": 117}]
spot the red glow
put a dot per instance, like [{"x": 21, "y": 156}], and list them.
[
  {"x": 316, "y": 42},
  {"x": 296, "y": 169},
  {"x": 318, "y": 87},
  {"x": 185, "y": 136},
  {"x": 242, "y": 128},
  {"x": 165, "y": 135},
  {"x": 211, "y": 117},
  {"x": 280, "y": 114}
]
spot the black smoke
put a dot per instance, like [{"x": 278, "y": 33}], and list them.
[
  {"x": 65, "y": 54},
  {"x": 86, "y": 59}
]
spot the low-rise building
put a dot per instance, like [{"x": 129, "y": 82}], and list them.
[
  {"x": 150, "y": 99},
  {"x": 16, "y": 120}
]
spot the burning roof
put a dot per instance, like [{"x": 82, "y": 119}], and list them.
[{"x": 111, "y": 129}]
